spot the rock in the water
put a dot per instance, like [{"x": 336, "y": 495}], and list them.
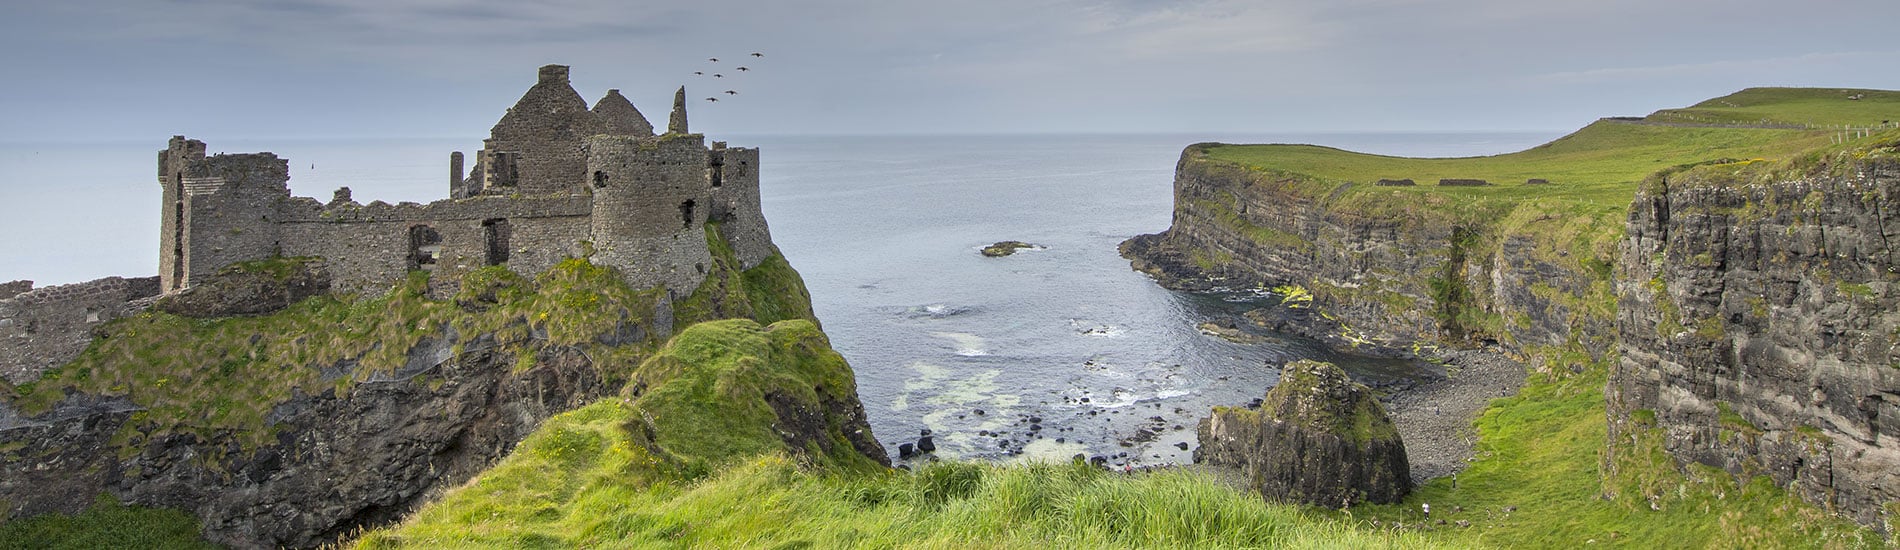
[
  {"x": 1319, "y": 438},
  {"x": 905, "y": 450},
  {"x": 926, "y": 444},
  {"x": 1005, "y": 248}
]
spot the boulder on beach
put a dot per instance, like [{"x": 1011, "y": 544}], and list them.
[{"x": 1318, "y": 438}]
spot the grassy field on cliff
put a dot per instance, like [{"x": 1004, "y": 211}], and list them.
[{"x": 1597, "y": 168}]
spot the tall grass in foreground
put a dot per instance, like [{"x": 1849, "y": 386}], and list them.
[{"x": 552, "y": 493}]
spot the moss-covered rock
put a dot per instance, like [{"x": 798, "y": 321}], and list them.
[
  {"x": 1319, "y": 438},
  {"x": 732, "y": 389}
]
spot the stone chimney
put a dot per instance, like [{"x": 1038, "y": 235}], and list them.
[
  {"x": 554, "y": 73},
  {"x": 677, "y": 124}
]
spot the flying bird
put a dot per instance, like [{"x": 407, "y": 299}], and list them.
[
  {"x": 757, "y": 54},
  {"x": 717, "y": 75},
  {"x": 713, "y": 99},
  {"x": 702, "y": 73},
  {"x": 730, "y": 92},
  {"x": 744, "y": 69},
  {"x": 713, "y": 59}
]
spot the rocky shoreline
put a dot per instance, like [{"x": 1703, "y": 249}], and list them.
[{"x": 1435, "y": 418}]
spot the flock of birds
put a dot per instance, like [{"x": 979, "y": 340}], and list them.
[{"x": 741, "y": 68}]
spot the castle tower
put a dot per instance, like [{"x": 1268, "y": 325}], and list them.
[
  {"x": 618, "y": 116},
  {"x": 677, "y": 124},
  {"x": 217, "y": 210},
  {"x": 650, "y": 207},
  {"x": 543, "y": 134},
  {"x": 733, "y": 178}
]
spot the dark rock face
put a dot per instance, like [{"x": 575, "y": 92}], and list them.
[
  {"x": 1760, "y": 326},
  {"x": 337, "y": 464},
  {"x": 1383, "y": 276},
  {"x": 1319, "y": 438},
  {"x": 251, "y": 289}
]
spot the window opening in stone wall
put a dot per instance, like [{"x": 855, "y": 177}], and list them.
[
  {"x": 425, "y": 247},
  {"x": 686, "y": 214},
  {"x": 495, "y": 235},
  {"x": 718, "y": 172},
  {"x": 178, "y": 231},
  {"x": 600, "y": 179}
]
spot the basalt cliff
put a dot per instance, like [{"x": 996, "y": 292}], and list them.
[{"x": 1744, "y": 310}]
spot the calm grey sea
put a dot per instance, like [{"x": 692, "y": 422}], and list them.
[{"x": 886, "y": 232}]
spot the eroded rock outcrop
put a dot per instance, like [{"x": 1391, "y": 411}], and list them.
[
  {"x": 251, "y": 288},
  {"x": 1760, "y": 328},
  {"x": 1319, "y": 438}
]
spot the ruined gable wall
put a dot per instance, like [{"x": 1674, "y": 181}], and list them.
[
  {"x": 44, "y": 328},
  {"x": 546, "y": 127},
  {"x": 641, "y": 223},
  {"x": 619, "y": 117}
]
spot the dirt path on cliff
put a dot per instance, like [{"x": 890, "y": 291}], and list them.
[{"x": 1435, "y": 419}]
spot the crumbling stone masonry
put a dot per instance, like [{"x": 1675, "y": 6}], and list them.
[
  {"x": 555, "y": 179},
  {"x": 47, "y": 327}
]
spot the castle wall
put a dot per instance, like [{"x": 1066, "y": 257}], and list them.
[
  {"x": 736, "y": 203},
  {"x": 651, "y": 203},
  {"x": 178, "y": 154},
  {"x": 44, "y": 328},
  {"x": 369, "y": 247},
  {"x": 230, "y": 210}
]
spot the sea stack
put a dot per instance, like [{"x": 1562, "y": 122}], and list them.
[{"x": 1318, "y": 438}]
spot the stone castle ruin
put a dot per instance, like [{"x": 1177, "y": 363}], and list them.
[{"x": 554, "y": 180}]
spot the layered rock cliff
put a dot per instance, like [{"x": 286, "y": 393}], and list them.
[
  {"x": 1745, "y": 311},
  {"x": 1386, "y": 270},
  {"x": 1759, "y": 324}
]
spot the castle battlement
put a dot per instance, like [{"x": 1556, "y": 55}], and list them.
[{"x": 555, "y": 179}]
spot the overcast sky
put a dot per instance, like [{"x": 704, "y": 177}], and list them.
[{"x": 144, "y": 69}]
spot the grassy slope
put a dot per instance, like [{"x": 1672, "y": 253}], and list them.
[{"x": 573, "y": 484}]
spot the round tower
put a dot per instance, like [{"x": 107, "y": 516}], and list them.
[{"x": 651, "y": 201}]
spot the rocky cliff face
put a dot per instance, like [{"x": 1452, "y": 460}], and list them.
[
  {"x": 338, "y": 463},
  {"x": 1319, "y": 438},
  {"x": 300, "y": 426},
  {"x": 1386, "y": 272},
  {"x": 1760, "y": 329}
]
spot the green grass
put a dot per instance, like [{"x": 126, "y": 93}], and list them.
[
  {"x": 768, "y": 292},
  {"x": 105, "y": 525},
  {"x": 1538, "y": 483},
  {"x": 1816, "y": 106},
  {"x": 703, "y": 395},
  {"x": 769, "y": 501}
]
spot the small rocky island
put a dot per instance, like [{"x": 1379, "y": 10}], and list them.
[
  {"x": 1319, "y": 438},
  {"x": 1005, "y": 248}
]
